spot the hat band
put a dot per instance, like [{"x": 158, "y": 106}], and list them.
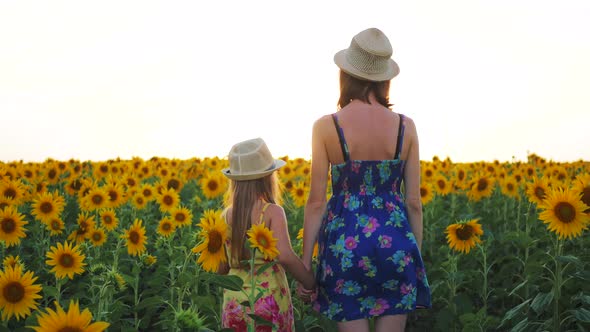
[{"x": 364, "y": 61}]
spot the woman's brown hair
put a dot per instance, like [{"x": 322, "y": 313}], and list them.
[
  {"x": 354, "y": 88},
  {"x": 242, "y": 197}
]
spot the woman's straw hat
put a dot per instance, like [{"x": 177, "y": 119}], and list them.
[
  {"x": 250, "y": 160},
  {"x": 368, "y": 57}
]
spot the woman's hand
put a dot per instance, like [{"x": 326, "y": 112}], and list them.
[{"x": 306, "y": 295}]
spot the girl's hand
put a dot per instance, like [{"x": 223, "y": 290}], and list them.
[{"x": 306, "y": 295}]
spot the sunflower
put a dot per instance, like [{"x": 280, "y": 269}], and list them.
[
  {"x": 55, "y": 226},
  {"x": 52, "y": 173},
  {"x": 537, "y": 190},
  {"x": 11, "y": 226},
  {"x": 166, "y": 227},
  {"x": 66, "y": 260},
  {"x": 115, "y": 194},
  {"x": 482, "y": 187},
  {"x": 148, "y": 192},
  {"x": 12, "y": 261},
  {"x": 4, "y": 202},
  {"x": 181, "y": 216},
  {"x": 136, "y": 239},
  {"x": 173, "y": 182},
  {"x": 563, "y": 211},
  {"x": 261, "y": 238},
  {"x": 510, "y": 188},
  {"x": 582, "y": 186},
  {"x": 86, "y": 225},
  {"x": 287, "y": 172},
  {"x": 213, "y": 185},
  {"x": 138, "y": 201},
  {"x": 73, "y": 186},
  {"x": 441, "y": 185},
  {"x": 464, "y": 235},
  {"x": 13, "y": 190},
  {"x": 299, "y": 194},
  {"x": 428, "y": 172},
  {"x": 98, "y": 237},
  {"x": 214, "y": 234},
  {"x": 48, "y": 206},
  {"x": 150, "y": 260},
  {"x": 130, "y": 181},
  {"x": 72, "y": 320},
  {"x": 168, "y": 200},
  {"x": 97, "y": 198},
  {"x": 19, "y": 293},
  {"x": 108, "y": 219},
  {"x": 315, "y": 247},
  {"x": 426, "y": 193}
]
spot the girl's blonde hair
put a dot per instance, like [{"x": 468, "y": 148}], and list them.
[{"x": 241, "y": 197}]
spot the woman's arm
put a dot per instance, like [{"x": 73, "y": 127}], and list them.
[
  {"x": 316, "y": 202},
  {"x": 412, "y": 182},
  {"x": 287, "y": 257}
]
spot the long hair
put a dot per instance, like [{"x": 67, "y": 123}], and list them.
[
  {"x": 242, "y": 197},
  {"x": 354, "y": 88}
]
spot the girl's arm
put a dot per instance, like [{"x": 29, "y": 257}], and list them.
[
  {"x": 287, "y": 257},
  {"x": 316, "y": 202},
  {"x": 412, "y": 183}
]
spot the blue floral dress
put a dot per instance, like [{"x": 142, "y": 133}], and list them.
[{"x": 369, "y": 262}]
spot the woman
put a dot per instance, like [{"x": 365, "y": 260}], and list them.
[{"x": 370, "y": 231}]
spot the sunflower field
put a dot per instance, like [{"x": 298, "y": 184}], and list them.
[{"x": 131, "y": 245}]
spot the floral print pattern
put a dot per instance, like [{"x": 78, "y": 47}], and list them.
[{"x": 369, "y": 262}]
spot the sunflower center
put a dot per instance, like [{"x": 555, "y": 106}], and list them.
[
  {"x": 10, "y": 193},
  {"x": 510, "y": 187},
  {"x": 168, "y": 200},
  {"x": 212, "y": 185},
  {"x": 113, "y": 195},
  {"x": 13, "y": 292},
  {"x": 97, "y": 199},
  {"x": 174, "y": 184},
  {"x": 55, "y": 225},
  {"x": 289, "y": 184},
  {"x": 3, "y": 205},
  {"x": 76, "y": 185},
  {"x": 46, "y": 207},
  {"x": 565, "y": 212},
  {"x": 51, "y": 174},
  {"x": 428, "y": 173},
  {"x": 461, "y": 175},
  {"x": 134, "y": 237},
  {"x": 540, "y": 193},
  {"x": 482, "y": 184},
  {"x": 131, "y": 182},
  {"x": 464, "y": 232},
  {"x": 300, "y": 192},
  {"x": 215, "y": 242},
  {"x": 8, "y": 225},
  {"x": 107, "y": 220},
  {"x": 262, "y": 240},
  {"x": 104, "y": 168},
  {"x": 96, "y": 236},
  {"x": 147, "y": 192},
  {"x": 586, "y": 197},
  {"x": 423, "y": 192},
  {"x": 66, "y": 260},
  {"x": 166, "y": 226},
  {"x": 180, "y": 217},
  {"x": 441, "y": 184}
]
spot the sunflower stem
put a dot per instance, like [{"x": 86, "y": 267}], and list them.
[
  {"x": 251, "y": 322},
  {"x": 557, "y": 285},
  {"x": 485, "y": 271}
]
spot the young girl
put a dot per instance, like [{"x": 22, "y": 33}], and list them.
[{"x": 253, "y": 197}]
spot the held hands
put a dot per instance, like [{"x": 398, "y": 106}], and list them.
[{"x": 307, "y": 295}]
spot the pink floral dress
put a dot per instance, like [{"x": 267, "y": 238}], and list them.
[{"x": 275, "y": 304}]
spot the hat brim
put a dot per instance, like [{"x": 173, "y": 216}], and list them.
[
  {"x": 344, "y": 65},
  {"x": 278, "y": 163}
]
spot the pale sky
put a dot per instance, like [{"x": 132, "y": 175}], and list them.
[{"x": 483, "y": 80}]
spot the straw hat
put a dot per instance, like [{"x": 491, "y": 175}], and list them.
[
  {"x": 250, "y": 160},
  {"x": 368, "y": 57}
]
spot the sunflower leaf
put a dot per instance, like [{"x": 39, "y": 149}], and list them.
[
  {"x": 541, "y": 301},
  {"x": 265, "y": 267},
  {"x": 513, "y": 312},
  {"x": 230, "y": 282},
  {"x": 569, "y": 259},
  {"x": 260, "y": 321},
  {"x": 582, "y": 315}
]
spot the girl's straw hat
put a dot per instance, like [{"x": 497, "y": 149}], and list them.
[
  {"x": 250, "y": 160},
  {"x": 368, "y": 57}
]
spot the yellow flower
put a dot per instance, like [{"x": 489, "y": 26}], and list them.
[
  {"x": 12, "y": 190},
  {"x": 148, "y": 192},
  {"x": 166, "y": 227},
  {"x": 261, "y": 238},
  {"x": 426, "y": 193},
  {"x": 97, "y": 198},
  {"x": 441, "y": 185},
  {"x": 66, "y": 260},
  {"x": 139, "y": 201},
  {"x": 86, "y": 225},
  {"x": 537, "y": 190},
  {"x": 181, "y": 216},
  {"x": 11, "y": 226},
  {"x": 299, "y": 194},
  {"x": 510, "y": 187},
  {"x": 98, "y": 237},
  {"x": 483, "y": 186},
  {"x": 213, "y": 185},
  {"x": 211, "y": 249},
  {"x": 18, "y": 293},
  {"x": 115, "y": 194},
  {"x": 12, "y": 261},
  {"x": 582, "y": 186},
  {"x": 136, "y": 239},
  {"x": 48, "y": 206},
  {"x": 563, "y": 211},
  {"x": 315, "y": 247},
  {"x": 463, "y": 236},
  {"x": 150, "y": 260},
  {"x": 108, "y": 219},
  {"x": 168, "y": 199},
  {"x": 55, "y": 226},
  {"x": 72, "y": 320}
]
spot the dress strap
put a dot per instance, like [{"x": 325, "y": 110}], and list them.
[
  {"x": 262, "y": 212},
  {"x": 400, "y": 137},
  {"x": 343, "y": 144}
]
